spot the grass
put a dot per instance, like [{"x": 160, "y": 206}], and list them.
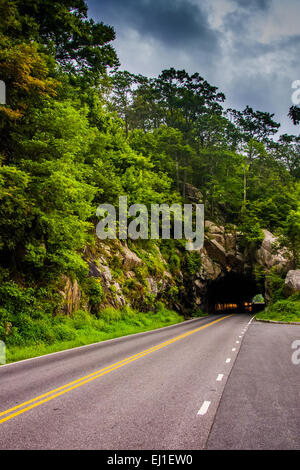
[
  {"x": 59, "y": 333},
  {"x": 283, "y": 310}
]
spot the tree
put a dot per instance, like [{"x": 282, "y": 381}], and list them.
[
  {"x": 255, "y": 127},
  {"x": 290, "y": 236},
  {"x": 294, "y": 114},
  {"x": 80, "y": 45},
  {"x": 122, "y": 95},
  {"x": 287, "y": 151}
]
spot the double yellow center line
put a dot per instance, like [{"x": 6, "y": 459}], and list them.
[{"x": 37, "y": 401}]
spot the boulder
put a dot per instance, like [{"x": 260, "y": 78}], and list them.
[
  {"x": 267, "y": 256},
  {"x": 215, "y": 251},
  {"x": 130, "y": 260},
  {"x": 209, "y": 270},
  {"x": 219, "y": 238},
  {"x": 118, "y": 298},
  {"x": 193, "y": 193},
  {"x": 212, "y": 228},
  {"x": 231, "y": 242},
  {"x": 235, "y": 261},
  {"x": 292, "y": 282},
  {"x": 106, "y": 276},
  {"x": 152, "y": 285},
  {"x": 94, "y": 271}
]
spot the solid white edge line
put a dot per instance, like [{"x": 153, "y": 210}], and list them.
[{"x": 204, "y": 408}]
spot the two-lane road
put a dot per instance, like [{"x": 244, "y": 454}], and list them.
[{"x": 154, "y": 390}]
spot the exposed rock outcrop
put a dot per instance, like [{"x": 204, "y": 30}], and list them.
[
  {"x": 292, "y": 282},
  {"x": 71, "y": 295},
  {"x": 130, "y": 260},
  {"x": 193, "y": 193},
  {"x": 127, "y": 279},
  {"x": 268, "y": 256}
]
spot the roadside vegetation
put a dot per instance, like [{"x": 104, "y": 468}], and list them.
[
  {"x": 50, "y": 334},
  {"x": 280, "y": 307},
  {"x": 287, "y": 310}
]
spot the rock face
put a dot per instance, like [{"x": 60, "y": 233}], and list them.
[
  {"x": 71, "y": 295},
  {"x": 131, "y": 260},
  {"x": 193, "y": 193},
  {"x": 139, "y": 282},
  {"x": 292, "y": 282},
  {"x": 266, "y": 255}
]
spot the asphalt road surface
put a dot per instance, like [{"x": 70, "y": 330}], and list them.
[
  {"x": 260, "y": 407},
  {"x": 159, "y": 390}
]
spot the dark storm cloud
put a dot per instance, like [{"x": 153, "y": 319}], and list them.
[
  {"x": 248, "y": 48},
  {"x": 176, "y": 23},
  {"x": 254, "y": 4}
]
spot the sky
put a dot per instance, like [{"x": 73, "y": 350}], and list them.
[{"x": 249, "y": 49}]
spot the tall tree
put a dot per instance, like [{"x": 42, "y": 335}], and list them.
[{"x": 254, "y": 126}]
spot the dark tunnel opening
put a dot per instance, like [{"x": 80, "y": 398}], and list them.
[{"x": 234, "y": 293}]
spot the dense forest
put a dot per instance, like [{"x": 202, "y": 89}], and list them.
[{"x": 77, "y": 131}]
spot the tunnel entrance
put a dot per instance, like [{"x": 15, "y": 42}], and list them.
[{"x": 234, "y": 293}]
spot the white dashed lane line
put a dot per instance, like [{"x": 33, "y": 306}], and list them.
[
  {"x": 204, "y": 408},
  {"x": 206, "y": 403}
]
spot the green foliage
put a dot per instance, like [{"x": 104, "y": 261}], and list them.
[
  {"x": 198, "y": 313},
  {"x": 192, "y": 262},
  {"x": 282, "y": 310},
  {"x": 48, "y": 334},
  {"x": 250, "y": 232},
  {"x": 94, "y": 291},
  {"x": 174, "y": 263},
  {"x": 275, "y": 282},
  {"x": 290, "y": 236},
  {"x": 259, "y": 274}
]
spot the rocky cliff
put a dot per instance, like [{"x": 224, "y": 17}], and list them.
[{"x": 142, "y": 274}]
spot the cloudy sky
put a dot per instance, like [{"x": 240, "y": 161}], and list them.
[{"x": 248, "y": 48}]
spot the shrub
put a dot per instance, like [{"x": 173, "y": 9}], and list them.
[
  {"x": 64, "y": 332},
  {"x": 94, "y": 291},
  {"x": 276, "y": 285},
  {"x": 286, "y": 308},
  {"x": 192, "y": 262}
]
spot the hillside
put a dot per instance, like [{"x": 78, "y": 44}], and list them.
[{"x": 77, "y": 132}]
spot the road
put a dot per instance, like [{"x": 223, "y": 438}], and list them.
[
  {"x": 260, "y": 407},
  {"x": 156, "y": 390}
]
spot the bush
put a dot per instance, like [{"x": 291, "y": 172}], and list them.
[
  {"x": 276, "y": 285},
  {"x": 192, "y": 262},
  {"x": 64, "y": 332},
  {"x": 286, "y": 308},
  {"x": 94, "y": 291},
  {"x": 174, "y": 263},
  {"x": 282, "y": 310}
]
